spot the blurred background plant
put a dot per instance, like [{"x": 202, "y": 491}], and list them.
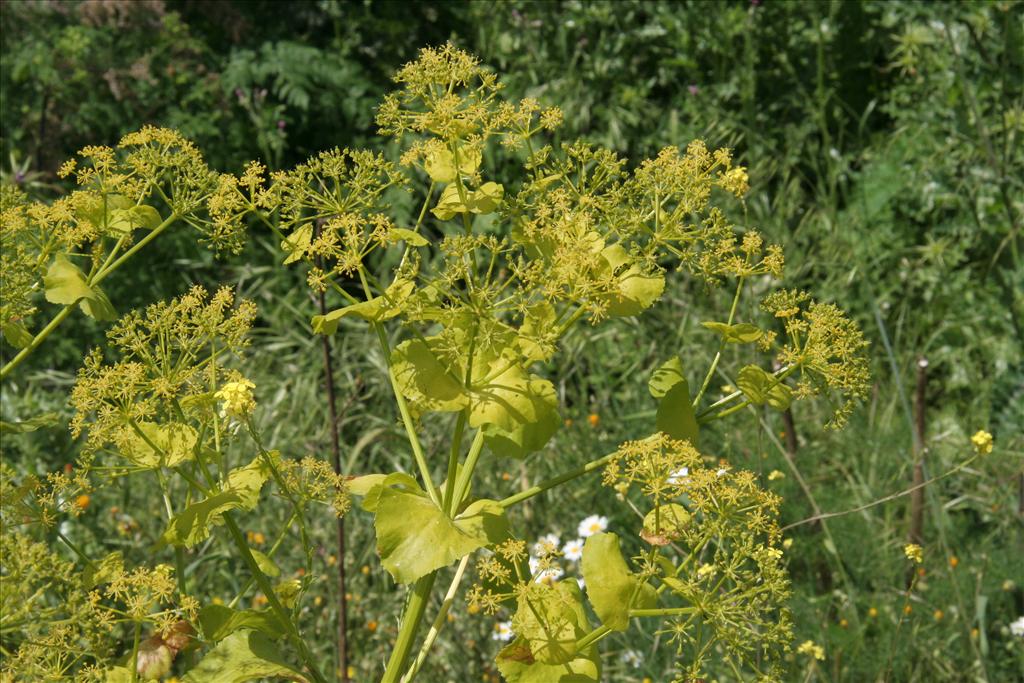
[{"x": 883, "y": 142}]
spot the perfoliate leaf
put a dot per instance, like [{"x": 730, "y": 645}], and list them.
[
  {"x": 668, "y": 374},
  {"x": 517, "y": 665},
  {"x": 535, "y": 331},
  {"x": 240, "y": 657},
  {"x": 486, "y": 199},
  {"x": 101, "y": 572},
  {"x": 17, "y": 335},
  {"x": 173, "y": 440},
  {"x": 370, "y": 487},
  {"x": 297, "y": 242},
  {"x": 440, "y": 164},
  {"x": 127, "y": 220},
  {"x": 423, "y": 379},
  {"x": 193, "y": 524},
  {"x": 220, "y": 621},
  {"x": 610, "y": 584},
  {"x": 675, "y": 414},
  {"x": 511, "y": 398},
  {"x": 66, "y": 284},
  {"x": 552, "y": 621},
  {"x": 636, "y": 290},
  {"x": 527, "y": 436},
  {"x": 30, "y": 425},
  {"x": 450, "y": 203},
  {"x": 415, "y": 537},
  {"x": 665, "y": 524},
  {"x": 413, "y": 238},
  {"x": 740, "y": 333},
  {"x": 760, "y": 387},
  {"x": 101, "y": 214},
  {"x": 383, "y": 307}
]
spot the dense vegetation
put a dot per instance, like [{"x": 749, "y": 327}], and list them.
[{"x": 883, "y": 147}]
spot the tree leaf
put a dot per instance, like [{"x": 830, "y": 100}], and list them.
[
  {"x": 675, "y": 414},
  {"x": 610, "y": 584},
  {"x": 740, "y": 333},
  {"x": 220, "y": 621},
  {"x": 415, "y": 537},
  {"x": 240, "y": 657},
  {"x": 760, "y": 387},
  {"x": 668, "y": 374},
  {"x": 30, "y": 425}
]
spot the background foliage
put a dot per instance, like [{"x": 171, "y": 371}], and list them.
[{"x": 884, "y": 149}]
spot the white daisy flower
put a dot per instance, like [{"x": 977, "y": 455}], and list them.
[
  {"x": 502, "y": 631},
  {"x": 592, "y": 525},
  {"x": 1017, "y": 628},
  {"x": 573, "y": 550},
  {"x": 545, "y": 545},
  {"x": 633, "y": 658},
  {"x": 722, "y": 472}
]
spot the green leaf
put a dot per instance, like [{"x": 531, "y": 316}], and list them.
[
  {"x": 415, "y": 537},
  {"x": 610, "y": 584},
  {"x": 741, "y": 333},
  {"x": 296, "y": 243},
  {"x": 100, "y": 214},
  {"x": 413, "y": 238},
  {"x": 17, "y": 335},
  {"x": 484, "y": 200},
  {"x": 538, "y": 325},
  {"x": 175, "y": 442},
  {"x": 532, "y": 435},
  {"x": 220, "y": 621},
  {"x": 422, "y": 377},
  {"x": 511, "y": 398},
  {"x": 517, "y": 665},
  {"x": 127, "y": 220},
  {"x": 551, "y": 621},
  {"x": 103, "y": 571},
  {"x": 487, "y": 199},
  {"x": 668, "y": 374},
  {"x": 66, "y": 284},
  {"x": 449, "y": 203},
  {"x": 240, "y": 657},
  {"x": 30, "y": 425},
  {"x": 440, "y": 163},
  {"x": 266, "y": 565},
  {"x": 675, "y": 414},
  {"x": 194, "y": 523},
  {"x": 400, "y": 480},
  {"x": 383, "y": 307},
  {"x": 636, "y": 290},
  {"x": 665, "y": 524},
  {"x": 760, "y": 387}
]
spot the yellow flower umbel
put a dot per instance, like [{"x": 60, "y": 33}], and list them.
[
  {"x": 812, "y": 649},
  {"x": 914, "y": 552},
  {"x": 982, "y": 441},
  {"x": 237, "y": 399}
]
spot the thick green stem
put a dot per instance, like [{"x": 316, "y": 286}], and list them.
[
  {"x": 439, "y": 622},
  {"x": 466, "y": 476},
  {"x": 36, "y": 341},
  {"x": 412, "y": 615},
  {"x": 453, "y": 462}
]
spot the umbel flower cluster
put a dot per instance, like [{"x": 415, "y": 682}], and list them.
[{"x": 469, "y": 305}]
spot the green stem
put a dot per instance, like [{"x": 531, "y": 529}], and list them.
[
  {"x": 280, "y": 611},
  {"x": 555, "y": 481},
  {"x": 36, "y": 341},
  {"x": 439, "y": 622},
  {"x": 721, "y": 345},
  {"x": 592, "y": 637},
  {"x": 135, "y": 651},
  {"x": 662, "y": 612},
  {"x": 466, "y": 475},
  {"x": 154, "y": 233},
  {"x": 412, "y": 615},
  {"x": 453, "y": 463}
]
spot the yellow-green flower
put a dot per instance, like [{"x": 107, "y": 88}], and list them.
[
  {"x": 812, "y": 649},
  {"x": 982, "y": 441},
  {"x": 914, "y": 552},
  {"x": 237, "y": 399}
]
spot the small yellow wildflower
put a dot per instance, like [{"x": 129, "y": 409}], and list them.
[
  {"x": 787, "y": 543},
  {"x": 82, "y": 502},
  {"x": 974, "y": 633},
  {"x": 872, "y": 612},
  {"x": 568, "y": 422},
  {"x": 776, "y": 474},
  {"x": 843, "y": 623},
  {"x": 811, "y": 649},
  {"x": 317, "y": 601},
  {"x": 351, "y": 672},
  {"x": 914, "y": 552},
  {"x": 256, "y": 538},
  {"x": 331, "y": 560},
  {"x": 237, "y": 399},
  {"x": 365, "y": 570},
  {"x": 594, "y": 419},
  {"x": 938, "y": 614},
  {"x": 907, "y": 609},
  {"x": 982, "y": 441},
  {"x": 371, "y": 625},
  {"x": 217, "y": 601},
  {"x": 953, "y": 562}
]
